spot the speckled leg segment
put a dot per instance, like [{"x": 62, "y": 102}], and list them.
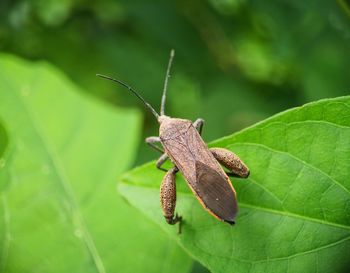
[
  {"x": 168, "y": 198},
  {"x": 231, "y": 161}
]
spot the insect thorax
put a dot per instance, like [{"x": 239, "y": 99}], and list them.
[{"x": 171, "y": 128}]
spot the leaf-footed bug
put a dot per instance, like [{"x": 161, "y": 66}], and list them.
[{"x": 181, "y": 143}]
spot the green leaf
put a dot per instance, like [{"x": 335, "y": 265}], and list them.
[
  {"x": 294, "y": 208},
  {"x": 3, "y": 177},
  {"x": 3, "y": 155},
  {"x": 60, "y": 211},
  {"x": 3, "y": 140}
]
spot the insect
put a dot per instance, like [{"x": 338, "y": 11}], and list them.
[{"x": 181, "y": 142}]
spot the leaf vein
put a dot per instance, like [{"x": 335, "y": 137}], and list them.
[
  {"x": 294, "y": 157},
  {"x": 67, "y": 189}
]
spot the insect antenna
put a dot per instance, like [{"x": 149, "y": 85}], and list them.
[
  {"x": 133, "y": 91},
  {"x": 167, "y": 76}
]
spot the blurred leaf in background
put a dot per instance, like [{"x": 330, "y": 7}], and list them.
[
  {"x": 237, "y": 61},
  {"x": 294, "y": 207},
  {"x": 59, "y": 208}
]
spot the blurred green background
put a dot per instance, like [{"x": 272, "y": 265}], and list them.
[{"x": 237, "y": 61}]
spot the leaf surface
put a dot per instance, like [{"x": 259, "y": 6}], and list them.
[
  {"x": 60, "y": 211},
  {"x": 294, "y": 207}
]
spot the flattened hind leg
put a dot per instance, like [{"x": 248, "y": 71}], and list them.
[
  {"x": 168, "y": 198},
  {"x": 230, "y": 161}
]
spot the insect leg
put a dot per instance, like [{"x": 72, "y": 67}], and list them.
[
  {"x": 151, "y": 141},
  {"x": 230, "y": 161},
  {"x": 168, "y": 198},
  {"x": 198, "y": 124},
  {"x": 161, "y": 161}
]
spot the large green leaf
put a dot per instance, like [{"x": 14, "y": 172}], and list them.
[
  {"x": 294, "y": 208},
  {"x": 60, "y": 211}
]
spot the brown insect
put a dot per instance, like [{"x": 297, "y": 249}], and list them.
[{"x": 182, "y": 144}]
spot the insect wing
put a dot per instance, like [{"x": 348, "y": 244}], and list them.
[{"x": 216, "y": 193}]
